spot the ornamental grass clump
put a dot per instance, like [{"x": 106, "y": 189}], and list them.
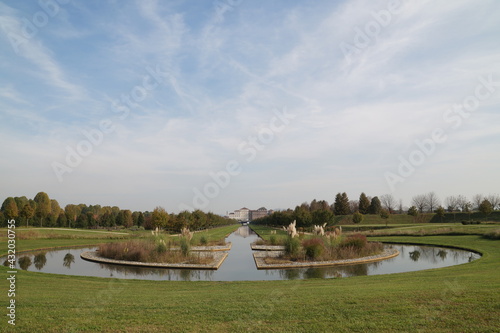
[
  {"x": 185, "y": 246},
  {"x": 313, "y": 248},
  {"x": 292, "y": 247},
  {"x": 203, "y": 240}
]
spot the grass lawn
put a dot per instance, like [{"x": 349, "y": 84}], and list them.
[{"x": 463, "y": 298}]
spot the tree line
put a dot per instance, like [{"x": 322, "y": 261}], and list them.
[
  {"x": 41, "y": 211},
  {"x": 319, "y": 212}
]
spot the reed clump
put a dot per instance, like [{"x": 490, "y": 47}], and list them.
[
  {"x": 157, "y": 249},
  {"x": 325, "y": 248}
]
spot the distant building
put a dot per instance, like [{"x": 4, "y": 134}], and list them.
[{"x": 244, "y": 214}]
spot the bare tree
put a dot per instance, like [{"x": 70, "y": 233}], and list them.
[
  {"x": 388, "y": 202},
  {"x": 494, "y": 199},
  {"x": 420, "y": 201},
  {"x": 476, "y": 200},
  {"x": 432, "y": 201},
  {"x": 462, "y": 203},
  {"x": 353, "y": 205},
  {"x": 451, "y": 203}
]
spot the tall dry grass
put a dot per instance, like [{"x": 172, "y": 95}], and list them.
[
  {"x": 150, "y": 251},
  {"x": 321, "y": 248}
]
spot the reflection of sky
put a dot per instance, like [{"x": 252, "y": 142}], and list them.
[{"x": 240, "y": 265}]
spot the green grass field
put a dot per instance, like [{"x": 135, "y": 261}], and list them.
[{"x": 463, "y": 298}]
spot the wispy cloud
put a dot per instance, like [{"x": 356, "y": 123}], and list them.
[{"x": 224, "y": 75}]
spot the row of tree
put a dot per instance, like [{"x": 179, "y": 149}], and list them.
[
  {"x": 319, "y": 212},
  {"x": 45, "y": 212}
]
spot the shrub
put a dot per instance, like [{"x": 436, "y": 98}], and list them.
[
  {"x": 203, "y": 240},
  {"x": 357, "y": 241},
  {"x": 313, "y": 247},
  {"x": 292, "y": 246}
]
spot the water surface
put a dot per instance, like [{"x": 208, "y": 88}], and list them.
[{"x": 239, "y": 264}]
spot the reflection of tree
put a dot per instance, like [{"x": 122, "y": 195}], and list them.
[
  {"x": 289, "y": 274},
  {"x": 25, "y": 262},
  {"x": 355, "y": 270},
  {"x": 167, "y": 274},
  {"x": 415, "y": 255},
  {"x": 314, "y": 273},
  {"x": 40, "y": 260},
  {"x": 442, "y": 254},
  {"x": 68, "y": 260}
]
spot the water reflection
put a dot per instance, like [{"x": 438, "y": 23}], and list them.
[
  {"x": 25, "y": 262},
  {"x": 442, "y": 254},
  {"x": 68, "y": 260},
  {"x": 40, "y": 260},
  {"x": 240, "y": 265},
  {"x": 415, "y": 255}
]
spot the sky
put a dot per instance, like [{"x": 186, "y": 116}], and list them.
[{"x": 237, "y": 103}]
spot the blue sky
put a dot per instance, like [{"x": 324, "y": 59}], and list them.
[{"x": 220, "y": 105}]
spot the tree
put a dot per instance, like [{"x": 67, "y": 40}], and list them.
[
  {"x": 462, "y": 203},
  {"x": 27, "y": 212},
  {"x": 451, "y": 203},
  {"x": 62, "y": 220},
  {"x": 357, "y": 217},
  {"x": 494, "y": 199},
  {"x": 72, "y": 212},
  {"x": 432, "y": 201},
  {"x": 341, "y": 204},
  {"x": 388, "y": 202},
  {"x": 314, "y": 206},
  {"x": 107, "y": 219},
  {"x": 385, "y": 214},
  {"x": 55, "y": 210},
  {"x": 440, "y": 212},
  {"x": 9, "y": 208},
  {"x": 159, "y": 218},
  {"x": 303, "y": 217},
  {"x": 477, "y": 199},
  {"x": 43, "y": 207},
  {"x": 485, "y": 207},
  {"x": 375, "y": 206},
  {"x": 420, "y": 201},
  {"x": 199, "y": 220},
  {"x": 82, "y": 221},
  {"x": 364, "y": 203},
  {"x": 321, "y": 216},
  {"x": 400, "y": 206},
  {"x": 353, "y": 206},
  {"x": 140, "y": 219},
  {"x": 127, "y": 218},
  {"x": 413, "y": 211},
  {"x": 20, "y": 202}
]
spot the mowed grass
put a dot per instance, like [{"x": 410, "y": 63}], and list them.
[{"x": 463, "y": 298}]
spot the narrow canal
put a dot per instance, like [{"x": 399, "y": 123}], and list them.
[{"x": 239, "y": 264}]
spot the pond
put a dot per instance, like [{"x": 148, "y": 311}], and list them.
[{"x": 239, "y": 264}]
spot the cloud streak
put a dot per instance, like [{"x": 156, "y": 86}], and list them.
[{"x": 226, "y": 76}]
